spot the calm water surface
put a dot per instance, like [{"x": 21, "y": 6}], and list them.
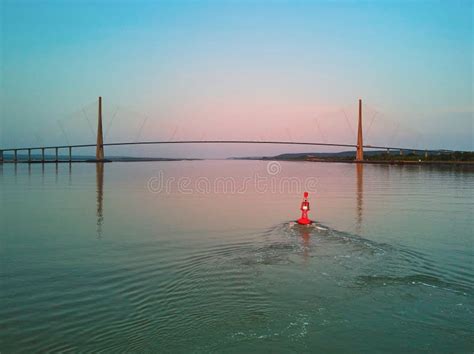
[{"x": 109, "y": 258}]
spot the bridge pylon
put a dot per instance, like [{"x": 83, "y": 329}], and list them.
[
  {"x": 360, "y": 140},
  {"x": 99, "y": 152}
]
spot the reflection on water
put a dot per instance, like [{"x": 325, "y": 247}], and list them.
[
  {"x": 360, "y": 194},
  {"x": 304, "y": 232},
  {"x": 219, "y": 272},
  {"x": 99, "y": 171}
]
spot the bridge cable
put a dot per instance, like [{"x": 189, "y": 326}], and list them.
[
  {"x": 319, "y": 130},
  {"x": 348, "y": 123},
  {"x": 141, "y": 128},
  {"x": 107, "y": 130},
  {"x": 88, "y": 122},
  {"x": 64, "y": 132},
  {"x": 370, "y": 125},
  {"x": 174, "y": 133}
]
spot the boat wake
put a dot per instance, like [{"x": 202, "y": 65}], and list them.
[{"x": 355, "y": 261}]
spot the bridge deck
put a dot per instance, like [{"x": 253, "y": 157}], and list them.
[{"x": 211, "y": 142}]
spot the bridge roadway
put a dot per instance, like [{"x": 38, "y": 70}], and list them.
[
  {"x": 210, "y": 142},
  {"x": 70, "y": 147}
]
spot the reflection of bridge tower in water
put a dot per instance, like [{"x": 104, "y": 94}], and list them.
[
  {"x": 359, "y": 172},
  {"x": 99, "y": 168},
  {"x": 359, "y": 195}
]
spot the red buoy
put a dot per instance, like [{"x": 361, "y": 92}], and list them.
[{"x": 304, "y": 220}]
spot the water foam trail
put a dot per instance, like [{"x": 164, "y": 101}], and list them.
[{"x": 411, "y": 266}]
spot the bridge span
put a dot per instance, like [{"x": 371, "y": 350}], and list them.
[
  {"x": 100, "y": 156},
  {"x": 69, "y": 148}
]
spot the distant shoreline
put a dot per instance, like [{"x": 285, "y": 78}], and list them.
[
  {"x": 432, "y": 157},
  {"x": 372, "y": 162},
  {"x": 371, "y": 157}
]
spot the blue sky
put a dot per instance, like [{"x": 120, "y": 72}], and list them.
[{"x": 237, "y": 69}]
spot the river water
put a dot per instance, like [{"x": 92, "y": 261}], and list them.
[{"x": 203, "y": 256}]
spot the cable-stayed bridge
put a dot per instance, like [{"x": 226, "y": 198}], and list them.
[{"x": 99, "y": 145}]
